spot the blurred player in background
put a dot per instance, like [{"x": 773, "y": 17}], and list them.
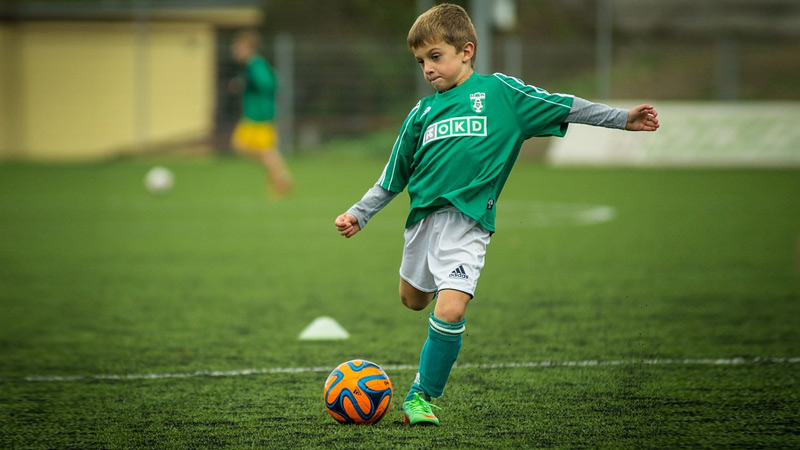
[
  {"x": 454, "y": 153},
  {"x": 256, "y": 133}
]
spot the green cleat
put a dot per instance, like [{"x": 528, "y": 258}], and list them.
[{"x": 418, "y": 412}]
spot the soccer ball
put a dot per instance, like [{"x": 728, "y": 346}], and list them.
[
  {"x": 159, "y": 180},
  {"x": 359, "y": 392}
]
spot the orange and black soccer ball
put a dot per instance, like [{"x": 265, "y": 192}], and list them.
[{"x": 358, "y": 392}]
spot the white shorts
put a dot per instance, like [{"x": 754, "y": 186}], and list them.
[{"x": 445, "y": 250}]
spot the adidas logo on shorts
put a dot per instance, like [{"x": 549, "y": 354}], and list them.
[{"x": 459, "y": 273}]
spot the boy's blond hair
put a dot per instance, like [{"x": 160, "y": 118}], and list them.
[{"x": 446, "y": 22}]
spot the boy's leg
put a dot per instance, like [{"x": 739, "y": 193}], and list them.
[
  {"x": 413, "y": 298},
  {"x": 438, "y": 355},
  {"x": 441, "y": 349},
  {"x": 445, "y": 251},
  {"x": 451, "y": 305},
  {"x": 277, "y": 170}
]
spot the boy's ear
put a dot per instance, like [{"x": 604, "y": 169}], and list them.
[{"x": 468, "y": 51}]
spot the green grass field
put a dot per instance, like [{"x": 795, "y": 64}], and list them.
[{"x": 116, "y": 306}]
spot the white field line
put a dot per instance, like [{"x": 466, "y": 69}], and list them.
[
  {"x": 407, "y": 367},
  {"x": 517, "y": 215}
]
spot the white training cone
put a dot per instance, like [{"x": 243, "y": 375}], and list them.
[{"x": 324, "y": 328}]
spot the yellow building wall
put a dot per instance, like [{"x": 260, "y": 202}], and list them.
[
  {"x": 9, "y": 90},
  {"x": 78, "y": 86},
  {"x": 90, "y": 90},
  {"x": 181, "y": 81}
]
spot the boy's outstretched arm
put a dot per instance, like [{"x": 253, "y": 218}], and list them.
[
  {"x": 347, "y": 224},
  {"x": 642, "y": 118},
  {"x": 359, "y": 214},
  {"x": 639, "y": 118}
]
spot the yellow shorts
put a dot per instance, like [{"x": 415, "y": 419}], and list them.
[{"x": 254, "y": 137}]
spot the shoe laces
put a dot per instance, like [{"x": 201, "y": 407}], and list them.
[{"x": 420, "y": 405}]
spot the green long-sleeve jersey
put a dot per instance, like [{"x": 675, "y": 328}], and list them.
[
  {"x": 258, "y": 98},
  {"x": 458, "y": 147}
]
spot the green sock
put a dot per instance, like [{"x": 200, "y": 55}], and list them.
[{"x": 437, "y": 358}]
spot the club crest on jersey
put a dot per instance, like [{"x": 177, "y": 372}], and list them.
[{"x": 477, "y": 100}]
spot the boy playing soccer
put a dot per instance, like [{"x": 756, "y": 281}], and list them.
[
  {"x": 255, "y": 134},
  {"x": 454, "y": 153}
]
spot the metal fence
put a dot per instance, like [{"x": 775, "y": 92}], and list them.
[{"x": 347, "y": 87}]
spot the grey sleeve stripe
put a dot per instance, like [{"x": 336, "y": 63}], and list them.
[
  {"x": 373, "y": 201},
  {"x": 598, "y": 114}
]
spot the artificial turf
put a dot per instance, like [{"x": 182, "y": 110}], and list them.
[{"x": 116, "y": 306}]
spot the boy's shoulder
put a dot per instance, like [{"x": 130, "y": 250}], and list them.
[
  {"x": 257, "y": 61},
  {"x": 511, "y": 83}
]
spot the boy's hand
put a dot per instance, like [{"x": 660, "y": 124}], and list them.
[
  {"x": 347, "y": 224},
  {"x": 642, "y": 118}
]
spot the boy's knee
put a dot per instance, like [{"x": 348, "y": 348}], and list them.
[
  {"x": 449, "y": 313},
  {"x": 413, "y": 298},
  {"x": 412, "y": 303},
  {"x": 416, "y": 301},
  {"x": 451, "y": 306}
]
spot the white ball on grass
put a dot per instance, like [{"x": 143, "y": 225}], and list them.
[{"x": 159, "y": 180}]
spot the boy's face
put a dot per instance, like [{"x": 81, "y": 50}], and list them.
[
  {"x": 241, "y": 51},
  {"x": 442, "y": 66}
]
